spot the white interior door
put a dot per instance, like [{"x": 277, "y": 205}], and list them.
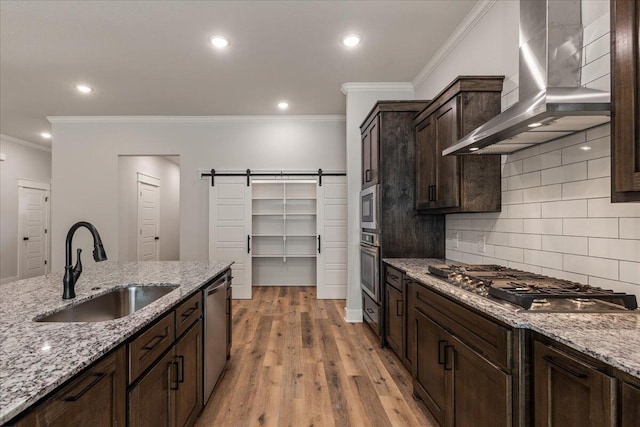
[
  {"x": 332, "y": 238},
  {"x": 148, "y": 218},
  {"x": 33, "y": 214},
  {"x": 230, "y": 230}
]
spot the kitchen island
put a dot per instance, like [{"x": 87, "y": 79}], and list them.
[{"x": 36, "y": 358}]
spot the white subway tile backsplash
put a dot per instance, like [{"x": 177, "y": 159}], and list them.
[
  {"x": 595, "y": 29},
  {"x": 453, "y": 255},
  {"x": 511, "y": 197},
  {"x": 596, "y": 69},
  {"x": 569, "y": 173},
  {"x": 590, "y": 227},
  {"x": 525, "y": 267},
  {"x": 509, "y": 254},
  {"x": 629, "y": 288},
  {"x": 630, "y": 272},
  {"x": 629, "y": 228},
  {"x": 526, "y": 241},
  {"x": 622, "y": 249},
  {"x": 603, "y": 208},
  {"x": 542, "y": 161},
  {"x": 590, "y": 266},
  {"x": 597, "y": 48},
  {"x": 567, "y": 141},
  {"x": 543, "y": 259},
  {"x": 501, "y": 239},
  {"x": 545, "y": 193},
  {"x": 602, "y": 83},
  {"x": 566, "y": 244},
  {"x": 527, "y": 210},
  {"x": 471, "y": 258},
  {"x": 459, "y": 224},
  {"x": 589, "y": 189},
  {"x": 566, "y": 275},
  {"x": 523, "y": 154},
  {"x": 600, "y": 147},
  {"x": 512, "y": 168},
  {"x": 543, "y": 226},
  {"x": 517, "y": 182},
  {"x": 565, "y": 209},
  {"x": 598, "y": 132},
  {"x": 599, "y": 168}
]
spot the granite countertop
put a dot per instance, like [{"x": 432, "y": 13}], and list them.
[
  {"x": 611, "y": 338},
  {"x": 35, "y": 358}
]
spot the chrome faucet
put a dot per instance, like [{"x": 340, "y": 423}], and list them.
[{"x": 71, "y": 274}]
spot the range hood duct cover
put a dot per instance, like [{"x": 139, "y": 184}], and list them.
[{"x": 552, "y": 102}]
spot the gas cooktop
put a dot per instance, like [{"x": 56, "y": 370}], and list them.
[{"x": 533, "y": 292}]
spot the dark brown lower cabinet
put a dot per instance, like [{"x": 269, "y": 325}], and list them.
[
  {"x": 458, "y": 385},
  {"x": 570, "y": 392},
  {"x": 630, "y": 404},
  {"x": 170, "y": 393},
  {"x": 394, "y": 319},
  {"x": 410, "y": 327},
  {"x": 96, "y": 398}
]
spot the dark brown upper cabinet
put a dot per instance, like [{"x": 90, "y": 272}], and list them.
[
  {"x": 457, "y": 183},
  {"x": 625, "y": 114},
  {"x": 370, "y": 151}
]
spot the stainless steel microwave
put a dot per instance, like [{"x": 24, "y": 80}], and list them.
[{"x": 369, "y": 208}]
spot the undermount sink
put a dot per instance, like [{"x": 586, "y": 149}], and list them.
[{"x": 118, "y": 302}]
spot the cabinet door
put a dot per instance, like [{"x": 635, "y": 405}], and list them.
[
  {"x": 188, "y": 397},
  {"x": 426, "y": 163},
  {"x": 569, "y": 392},
  {"x": 481, "y": 391},
  {"x": 630, "y": 407},
  {"x": 366, "y": 158},
  {"x": 394, "y": 314},
  {"x": 370, "y": 153},
  {"x": 409, "y": 335},
  {"x": 429, "y": 377},
  {"x": 95, "y": 398},
  {"x": 625, "y": 69},
  {"x": 151, "y": 401},
  {"x": 448, "y": 172}
]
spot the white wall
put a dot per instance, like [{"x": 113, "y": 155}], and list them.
[
  {"x": 360, "y": 98},
  {"x": 168, "y": 173},
  {"x": 85, "y": 164},
  {"x": 556, "y": 215},
  {"x": 24, "y": 160}
]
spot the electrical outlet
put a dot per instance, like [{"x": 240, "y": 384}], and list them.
[
  {"x": 456, "y": 240},
  {"x": 482, "y": 243}
]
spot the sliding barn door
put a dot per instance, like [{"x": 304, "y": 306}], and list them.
[{"x": 230, "y": 230}]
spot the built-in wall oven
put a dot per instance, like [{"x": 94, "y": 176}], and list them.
[
  {"x": 370, "y": 265},
  {"x": 369, "y": 208}
]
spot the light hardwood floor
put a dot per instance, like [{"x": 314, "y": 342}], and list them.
[{"x": 296, "y": 362}]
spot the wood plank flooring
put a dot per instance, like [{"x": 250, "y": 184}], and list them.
[{"x": 296, "y": 362}]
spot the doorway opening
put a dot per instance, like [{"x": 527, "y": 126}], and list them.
[
  {"x": 33, "y": 228},
  {"x": 149, "y": 208}
]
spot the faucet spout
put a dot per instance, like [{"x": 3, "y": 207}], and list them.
[{"x": 71, "y": 273}]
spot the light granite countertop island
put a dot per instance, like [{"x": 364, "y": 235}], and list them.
[
  {"x": 36, "y": 358},
  {"x": 610, "y": 338}
]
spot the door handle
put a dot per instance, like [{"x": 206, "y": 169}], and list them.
[
  {"x": 319, "y": 246},
  {"x": 181, "y": 376},
  {"x": 156, "y": 238},
  {"x": 446, "y": 357},
  {"x": 367, "y": 175},
  {"x": 25, "y": 238},
  {"x": 248, "y": 244},
  {"x": 174, "y": 364}
]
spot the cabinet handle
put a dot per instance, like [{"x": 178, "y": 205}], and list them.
[
  {"x": 98, "y": 376},
  {"x": 399, "y": 308},
  {"x": 432, "y": 193},
  {"x": 440, "y": 356},
  {"x": 189, "y": 312},
  {"x": 569, "y": 371},
  {"x": 369, "y": 310},
  {"x": 174, "y": 364},
  {"x": 181, "y": 376},
  {"x": 319, "y": 246},
  {"x": 367, "y": 175},
  {"x": 446, "y": 357},
  {"x": 248, "y": 244},
  {"x": 150, "y": 346}
]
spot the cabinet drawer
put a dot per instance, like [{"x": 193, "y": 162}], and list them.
[
  {"x": 393, "y": 277},
  {"x": 148, "y": 346},
  {"x": 488, "y": 337},
  {"x": 371, "y": 313},
  {"x": 188, "y": 312}
]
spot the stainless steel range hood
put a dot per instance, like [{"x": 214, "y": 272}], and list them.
[{"x": 552, "y": 103}]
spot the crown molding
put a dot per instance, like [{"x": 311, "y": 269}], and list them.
[
  {"x": 467, "y": 24},
  {"x": 376, "y": 87},
  {"x": 195, "y": 119},
  {"x": 29, "y": 144}
]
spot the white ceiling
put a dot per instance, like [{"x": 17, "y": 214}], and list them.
[{"x": 153, "y": 57}]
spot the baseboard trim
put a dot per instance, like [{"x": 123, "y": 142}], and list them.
[
  {"x": 352, "y": 316},
  {"x": 9, "y": 280}
]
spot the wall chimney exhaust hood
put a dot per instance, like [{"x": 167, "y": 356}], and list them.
[{"x": 552, "y": 103}]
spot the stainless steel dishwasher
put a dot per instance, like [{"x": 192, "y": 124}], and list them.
[{"x": 215, "y": 334}]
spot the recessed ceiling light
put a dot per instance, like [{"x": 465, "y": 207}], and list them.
[
  {"x": 84, "y": 88},
  {"x": 219, "y": 41},
  {"x": 535, "y": 125},
  {"x": 45, "y": 135},
  {"x": 283, "y": 105},
  {"x": 351, "y": 40},
  {"x": 473, "y": 149}
]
